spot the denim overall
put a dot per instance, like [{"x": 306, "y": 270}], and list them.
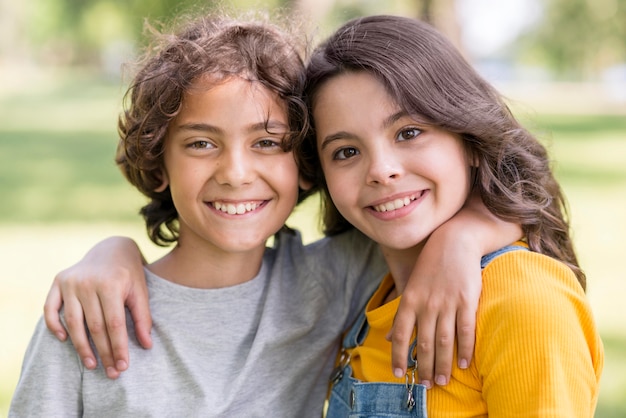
[{"x": 356, "y": 399}]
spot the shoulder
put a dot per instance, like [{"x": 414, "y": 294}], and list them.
[
  {"x": 341, "y": 264},
  {"x": 337, "y": 249},
  {"x": 45, "y": 355},
  {"x": 50, "y": 378},
  {"x": 522, "y": 273},
  {"x": 527, "y": 295},
  {"x": 535, "y": 325}
]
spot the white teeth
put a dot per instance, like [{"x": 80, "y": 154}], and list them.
[
  {"x": 238, "y": 209},
  {"x": 395, "y": 204}
]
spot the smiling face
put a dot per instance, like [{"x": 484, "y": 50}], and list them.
[
  {"x": 390, "y": 176},
  {"x": 232, "y": 184}
]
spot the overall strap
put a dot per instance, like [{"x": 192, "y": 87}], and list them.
[
  {"x": 486, "y": 259},
  {"x": 357, "y": 333}
]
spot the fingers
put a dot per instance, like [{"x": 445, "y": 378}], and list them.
[
  {"x": 434, "y": 349},
  {"x": 87, "y": 308},
  {"x": 114, "y": 336},
  {"x": 74, "y": 319},
  {"x": 139, "y": 307},
  {"x": 401, "y": 336},
  {"x": 444, "y": 348},
  {"x": 93, "y": 293},
  {"x": 101, "y": 315},
  {"x": 425, "y": 348},
  {"x": 51, "y": 308},
  {"x": 435, "y": 336},
  {"x": 466, "y": 335},
  {"x": 97, "y": 325}
]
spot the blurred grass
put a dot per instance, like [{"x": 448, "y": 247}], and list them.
[
  {"x": 62, "y": 193},
  {"x": 56, "y": 154}
]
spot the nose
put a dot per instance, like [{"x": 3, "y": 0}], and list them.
[
  {"x": 384, "y": 168},
  {"x": 234, "y": 168}
]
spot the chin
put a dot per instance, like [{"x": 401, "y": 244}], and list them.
[{"x": 403, "y": 243}]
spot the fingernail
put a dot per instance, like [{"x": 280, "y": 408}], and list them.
[
  {"x": 441, "y": 380},
  {"x": 397, "y": 372},
  {"x": 463, "y": 363},
  {"x": 426, "y": 383},
  {"x": 60, "y": 336},
  {"x": 89, "y": 363},
  {"x": 112, "y": 373},
  {"x": 121, "y": 365}
]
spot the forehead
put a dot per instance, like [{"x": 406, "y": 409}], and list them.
[
  {"x": 244, "y": 85},
  {"x": 350, "y": 96},
  {"x": 351, "y": 85},
  {"x": 233, "y": 96}
]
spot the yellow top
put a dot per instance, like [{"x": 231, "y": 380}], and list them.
[{"x": 538, "y": 352}]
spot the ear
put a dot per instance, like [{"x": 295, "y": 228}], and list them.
[
  {"x": 304, "y": 184},
  {"x": 164, "y": 184}
]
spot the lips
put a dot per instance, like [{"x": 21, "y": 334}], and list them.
[
  {"x": 236, "y": 208},
  {"x": 397, "y": 203}
]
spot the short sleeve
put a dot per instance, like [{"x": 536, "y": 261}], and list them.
[
  {"x": 538, "y": 352},
  {"x": 50, "y": 380}
]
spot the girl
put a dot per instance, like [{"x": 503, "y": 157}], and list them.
[
  {"x": 405, "y": 131},
  {"x": 240, "y": 329}
]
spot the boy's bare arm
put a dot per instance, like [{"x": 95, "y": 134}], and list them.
[
  {"x": 441, "y": 297},
  {"x": 94, "y": 291}
]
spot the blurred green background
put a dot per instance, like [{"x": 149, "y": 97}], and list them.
[{"x": 561, "y": 63}]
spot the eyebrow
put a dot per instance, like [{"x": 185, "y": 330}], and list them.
[
  {"x": 390, "y": 120},
  {"x": 334, "y": 137},
  {"x": 387, "y": 122},
  {"x": 265, "y": 126}
]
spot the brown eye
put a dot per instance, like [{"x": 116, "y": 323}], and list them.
[
  {"x": 345, "y": 153},
  {"x": 407, "y": 134},
  {"x": 267, "y": 143},
  {"x": 200, "y": 145}
]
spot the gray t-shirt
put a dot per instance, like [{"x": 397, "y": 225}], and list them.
[{"x": 262, "y": 348}]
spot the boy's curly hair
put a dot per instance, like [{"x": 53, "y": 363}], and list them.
[{"x": 218, "y": 46}]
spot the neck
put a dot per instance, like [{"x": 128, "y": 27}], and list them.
[
  {"x": 401, "y": 264},
  {"x": 206, "y": 268}
]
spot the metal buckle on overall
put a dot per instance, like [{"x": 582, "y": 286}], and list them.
[
  {"x": 410, "y": 383},
  {"x": 337, "y": 373}
]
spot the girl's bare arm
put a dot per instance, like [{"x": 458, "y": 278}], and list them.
[{"x": 441, "y": 297}]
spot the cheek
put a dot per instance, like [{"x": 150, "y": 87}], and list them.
[
  {"x": 187, "y": 178},
  {"x": 341, "y": 183},
  {"x": 341, "y": 189},
  {"x": 458, "y": 180},
  {"x": 329, "y": 176},
  {"x": 285, "y": 170}
]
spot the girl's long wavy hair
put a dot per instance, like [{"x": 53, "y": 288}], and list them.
[
  {"x": 428, "y": 78},
  {"x": 215, "y": 46}
]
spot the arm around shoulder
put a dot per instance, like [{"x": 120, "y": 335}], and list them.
[
  {"x": 95, "y": 291},
  {"x": 443, "y": 291}
]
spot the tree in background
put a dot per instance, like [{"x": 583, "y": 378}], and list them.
[
  {"x": 575, "y": 38},
  {"x": 98, "y": 33},
  {"x": 79, "y": 32},
  {"x": 329, "y": 14},
  {"x": 579, "y": 38}
]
